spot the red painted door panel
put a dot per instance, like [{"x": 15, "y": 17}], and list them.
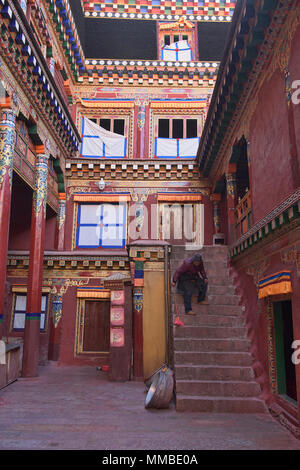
[{"x": 96, "y": 326}]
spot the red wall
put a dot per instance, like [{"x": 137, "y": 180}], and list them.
[
  {"x": 294, "y": 67},
  {"x": 20, "y": 218},
  {"x": 269, "y": 147},
  {"x": 256, "y": 317},
  {"x": 50, "y": 229}
]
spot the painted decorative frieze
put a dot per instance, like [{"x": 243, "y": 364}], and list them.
[{"x": 7, "y": 142}]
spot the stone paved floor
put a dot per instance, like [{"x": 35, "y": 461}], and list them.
[{"x": 78, "y": 408}]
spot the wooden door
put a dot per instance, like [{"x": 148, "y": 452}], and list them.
[{"x": 96, "y": 326}]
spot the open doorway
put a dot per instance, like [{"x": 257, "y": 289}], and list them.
[{"x": 284, "y": 337}]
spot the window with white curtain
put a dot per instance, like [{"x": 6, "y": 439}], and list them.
[{"x": 101, "y": 225}]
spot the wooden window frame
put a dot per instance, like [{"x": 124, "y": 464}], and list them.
[
  {"x": 23, "y": 293},
  {"x": 127, "y": 115},
  {"x": 76, "y": 226},
  {"x": 184, "y": 119},
  {"x": 198, "y": 216}
]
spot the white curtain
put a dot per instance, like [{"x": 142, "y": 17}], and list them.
[
  {"x": 177, "y": 51},
  {"x": 174, "y": 148},
  {"x": 98, "y": 142},
  {"x": 101, "y": 225}
]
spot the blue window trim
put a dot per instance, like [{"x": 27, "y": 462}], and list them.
[
  {"x": 23, "y": 312},
  {"x": 101, "y": 225},
  {"x": 103, "y": 146},
  {"x": 173, "y": 156},
  {"x": 177, "y": 52}
]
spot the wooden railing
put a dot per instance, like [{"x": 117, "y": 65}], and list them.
[{"x": 243, "y": 215}]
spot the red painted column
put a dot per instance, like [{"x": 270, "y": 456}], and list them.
[
  {"x": 35, "y": 272},
  {"x": 61, "y": 217},
  {"x": 141, "y": 129},
  {"x": 138, "y": 343},
  {"x": 216, "y": 199},
  {"x": 231, "y": 200},
  {"x": 7, "y": 141}
]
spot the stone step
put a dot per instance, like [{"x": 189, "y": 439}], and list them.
[
  {"x": 200, "y": 309},
  {"x": 213, "y": 372},
  {"x": 211, "y": 249},
  {"x": 211, "y": 272},
  {"x": 215, "y": 280},
  {"x": 220, "y": 290},
  {"x": 213, "y": 358},
  {"x": 225, "y": 299},
  {"x": 220, "y": 404},
  {"x": 213, "y": 345},
  {"x": 206, "y": 256},
  {"x": 203, "y": 247},
  {"x": 211, "y": 320},
  {"x": 214, "y": 388},
  {"x": 221, "y": 263},
  {"x": 210, "y": 332}
]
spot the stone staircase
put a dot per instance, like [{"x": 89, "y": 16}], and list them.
[{"x": 212, "y": 362}]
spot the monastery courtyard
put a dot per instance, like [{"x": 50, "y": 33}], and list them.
[{"x": 71, "y": 407}]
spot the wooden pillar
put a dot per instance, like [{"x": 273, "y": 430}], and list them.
[
  {"x": 216, "y": 199},
  {"x": 7, "y": 142},
  {"x": 60, "y": 227},
  {"x": 35, "y": 272},
  {"x": 137, "y": 273},
  {"x": 138, "y": 342},
  {"x": 141, "y": 133},
  {"x": 55, "y": 327},
  {"x": 231, "y": 200}
]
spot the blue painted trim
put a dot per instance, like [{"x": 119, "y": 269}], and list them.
[
  {"x": 101, "y": 226},
  {"x": 81, "y": 148},
  {"x": 103, "y": 146},
  {"x": 107, "y": 99},
  {"x": 78, "y": 224},
  {"x": 277, "y": 276},
  {"x": 178, "y": 143},
  {"x": 90, "y": 288},
  {"x": 179, "y": 99}
]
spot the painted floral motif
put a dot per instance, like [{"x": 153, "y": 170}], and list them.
[
  {"x": 117, "y": 316},
  {"x": 139, "y": 199},
  {"x": 117, "y": 297},
  {"x": 231, "y": 184},
  {"x": 7, "y": 140},
  {"x": 57, "y": 309},
  {"x": 138, "y": 299},
  {"x": 41, "y": 175},
  {"x": 117, "y": 337},
  {"x": 217, "y": 220},
  {"x": 61, "y": 214},
  {"x": 141, "y": 117}
]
